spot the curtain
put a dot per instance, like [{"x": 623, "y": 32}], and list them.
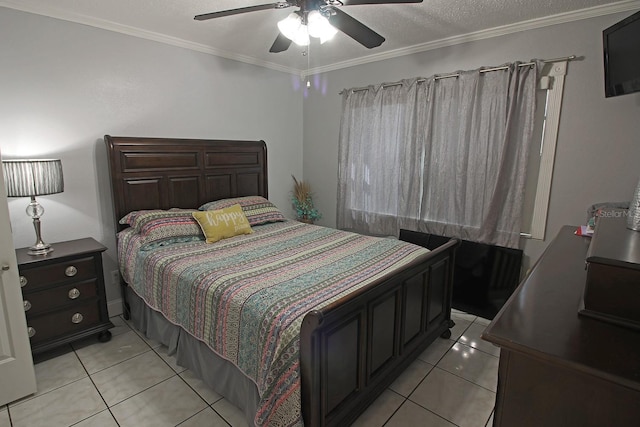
[{"x": 446, "y": 156}]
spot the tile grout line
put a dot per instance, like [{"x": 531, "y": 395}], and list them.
[
  {"x": 122, "y": 361},
  {"x": 202, "y": 410},
  {"x": 444, "y": 370},
  {"x": 405, "y": 399},
  {"x": 397, "y": 409},
  {"x": 435, "y": 365},
  {"x": 469, "y": 381},
  {"x": 209, "y": 405},
  {"x": 490, "y": 415},
  {"x": 461, "y": 377},
  {"x": 139, "y": 334},
  {"x": 32, "y": 397},
  {"x": 9, "y": 415},
  {"x": 477, "y": 349},
  {"x": 97, "y": 390},
  {"x": 108, "y": 408},
  {"x": 196, "y": 391},
  {"x": 457, "y": 376}
]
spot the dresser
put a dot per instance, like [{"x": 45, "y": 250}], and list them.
[
  {"x": 559, "y": 368},
  {"x": 63, "y": 294}
]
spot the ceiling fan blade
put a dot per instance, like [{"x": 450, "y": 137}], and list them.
[
  {"x": 355, "y": 29},
  {"x": 356, "y": 2},
  {"x": 205, "y": 16},
  {"x": 281, "y": 44}
]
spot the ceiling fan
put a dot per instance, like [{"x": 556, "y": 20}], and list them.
[{"x": 315, "y": 18}]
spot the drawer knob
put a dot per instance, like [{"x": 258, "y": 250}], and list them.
[
  {"x": 23, "y": 281},
  {"x": 70, "y": 271},
  {"x": 76, "y": 318},
  {"x": 31, "y": 331},
  {"x": 74, "y": 293},
  {"x": 27, "y": 305}
]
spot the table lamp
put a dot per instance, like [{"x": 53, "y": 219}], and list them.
[{"x": 31, "y": 178}]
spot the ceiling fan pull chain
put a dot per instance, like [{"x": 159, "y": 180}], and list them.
[{"x": 308, "y": 64}]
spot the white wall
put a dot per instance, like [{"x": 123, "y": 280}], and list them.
[
  {"x": 599, "y": 139},
  {"x": 63, "y": 86}
]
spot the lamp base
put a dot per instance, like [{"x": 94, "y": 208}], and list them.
[
  {"x": 35, "y": 211},
  {"x": 40, "y": 249}
]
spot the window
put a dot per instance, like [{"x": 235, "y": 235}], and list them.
[
  {"x": 445, "y": 155},
  {"x": 542, "y": 158}
]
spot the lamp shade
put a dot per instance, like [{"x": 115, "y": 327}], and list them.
[{"x": 26, "y": 178}]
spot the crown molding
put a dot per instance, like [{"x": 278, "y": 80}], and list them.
[
  {"x": 562, "y": 18},
  {"x": 592, "y": 12},
  {"x": 143, "y": 34}
]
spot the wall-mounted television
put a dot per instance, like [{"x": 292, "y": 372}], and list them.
[{"x": 621, "y": 44}]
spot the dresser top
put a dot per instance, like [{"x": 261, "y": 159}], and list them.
[
  {"x": 71, "y": 248},
  {"x": 541, "y": 318}
]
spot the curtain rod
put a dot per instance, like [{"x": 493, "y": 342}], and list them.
[{"x": 447, "y": 76}]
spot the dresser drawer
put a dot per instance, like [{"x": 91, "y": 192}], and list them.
[
  {"x": 76, "y": 269},
  {"x": 63, "y": 322},
  {"x": 52, "y": 298}
]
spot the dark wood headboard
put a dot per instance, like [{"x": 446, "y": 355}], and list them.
[{"x": 163, "y": 173}]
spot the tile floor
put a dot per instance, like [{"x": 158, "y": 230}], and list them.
[{"x": 130, "y": 381}]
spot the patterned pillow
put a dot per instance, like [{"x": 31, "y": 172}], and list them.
[
  {"x": 257, "y": 209},
  {"x": 159, "y": 225},
  {"x": 223, "y": 223},
  {"x": 130, "y": 218}
]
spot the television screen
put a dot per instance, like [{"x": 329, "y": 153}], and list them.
[{"x": 622, "y": 56}]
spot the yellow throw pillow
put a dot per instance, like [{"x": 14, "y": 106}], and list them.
[{"x": 223, "y": 223}]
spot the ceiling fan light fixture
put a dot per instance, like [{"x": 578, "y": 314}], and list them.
[
  {"x": 301, "y": 38},
  {"x": 320, "y": 27},
  {"x": 290, "y": 26},
  {"x": 297, "y": 30},
  {"x": 314, "y": 18},
  {"x": 328, "y": 34}
]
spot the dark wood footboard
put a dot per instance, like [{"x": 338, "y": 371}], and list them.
[{"x": 353, "y": 349}]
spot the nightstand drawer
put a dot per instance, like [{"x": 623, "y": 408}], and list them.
[
  {"x": 64, "y": 322},
  {"x": 52, "y": 298},
  {"x": 76, "y": 269}
]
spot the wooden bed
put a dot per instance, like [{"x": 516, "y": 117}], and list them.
[{"x": 351, "y": 350}]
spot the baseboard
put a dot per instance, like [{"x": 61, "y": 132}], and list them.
[{"x": 114, "y": 307}]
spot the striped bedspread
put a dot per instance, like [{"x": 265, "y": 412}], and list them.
[{"x": 245, "y": 297}]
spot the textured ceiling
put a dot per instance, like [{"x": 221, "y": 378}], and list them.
[{"x": 248, "y": 37}]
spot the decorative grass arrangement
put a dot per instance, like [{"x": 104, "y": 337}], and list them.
[{"x": 303, "y": 202}]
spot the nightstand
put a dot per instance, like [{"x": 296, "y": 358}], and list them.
[{"x": 63, "y": 293}]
